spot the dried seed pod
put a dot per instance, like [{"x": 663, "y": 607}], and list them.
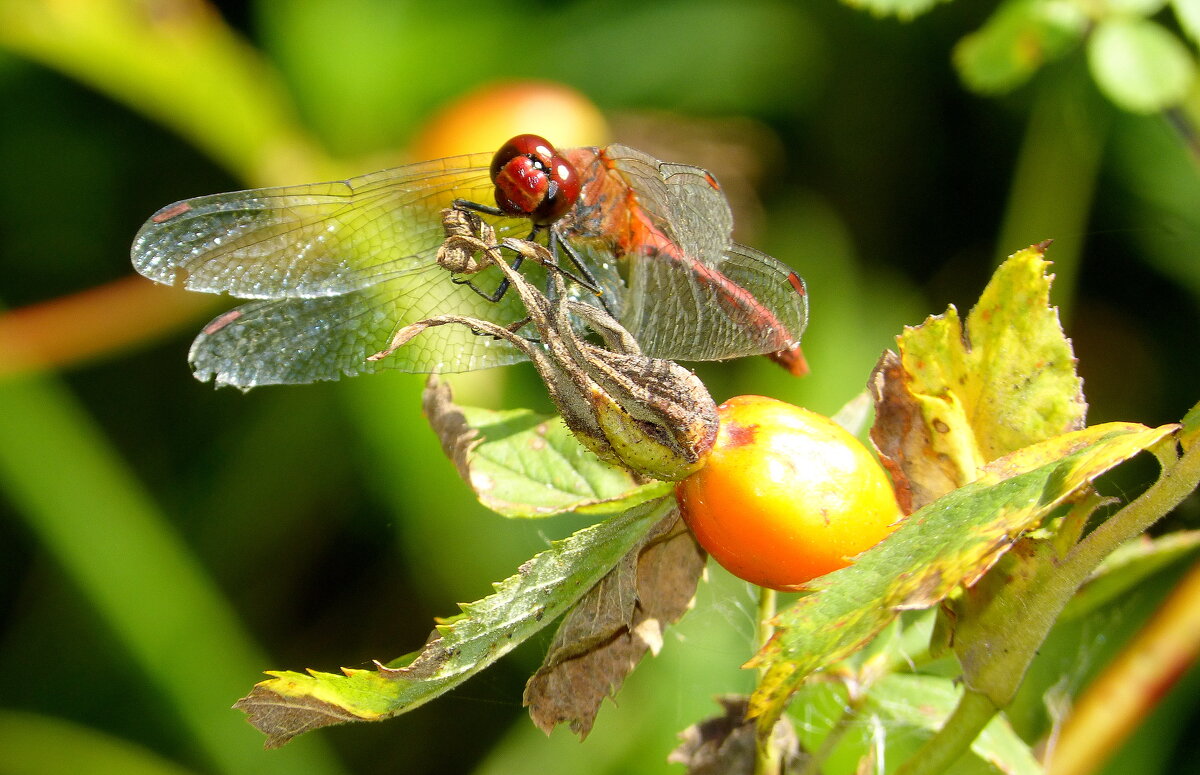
[{"x": 649, "y": 415}]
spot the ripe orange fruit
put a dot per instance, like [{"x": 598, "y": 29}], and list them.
[{"x": 786, "y": 494}]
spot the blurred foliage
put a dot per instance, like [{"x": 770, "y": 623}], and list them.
[{"x": 158, "y": 537}]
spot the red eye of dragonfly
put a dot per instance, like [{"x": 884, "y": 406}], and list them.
[{"x": 533, "y": 180}]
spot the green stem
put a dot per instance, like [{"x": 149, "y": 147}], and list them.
[
  {"x": 767, "y": 759},
  {"x": 1175, "y": 484},
  {"x": 972, "y": 714},
  {"x": 1055, "y": 176},
  {"x": 1048, "y": 593}
]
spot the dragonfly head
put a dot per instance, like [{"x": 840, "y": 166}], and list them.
[{"x": 533, "y": 181}]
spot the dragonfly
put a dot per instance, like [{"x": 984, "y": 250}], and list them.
[{"x": 332, "y": 270}]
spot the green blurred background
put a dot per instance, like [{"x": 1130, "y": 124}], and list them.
[{"x": 161, "y": 543}]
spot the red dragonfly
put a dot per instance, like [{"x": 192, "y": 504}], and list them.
[{"x": 335, "y": 269}]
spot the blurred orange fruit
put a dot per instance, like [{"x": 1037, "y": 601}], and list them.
[{"x": 482, "y": 120}]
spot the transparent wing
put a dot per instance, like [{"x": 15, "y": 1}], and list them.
[
  {"x": 691, "y": 293},
  {"x": 747, "y": 304},
  {"x": 683, "y": 202},
  {"x": 289, "y": 341},
  {"x": 312, "y": 240}
]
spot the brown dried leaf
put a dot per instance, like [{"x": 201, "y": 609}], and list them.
[
  {"x": 902, "y": 438},
  {"x": 457, "y": 436},
  {"x": 282, "y": 717},
  {"x": 612, "y": 627},
  {"x": 724, "y": 745}
]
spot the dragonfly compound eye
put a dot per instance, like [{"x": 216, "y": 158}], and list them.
[{"x": 533, "y": 180}]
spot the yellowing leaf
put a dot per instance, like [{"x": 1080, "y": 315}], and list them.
[
  {"x": 962, "y": 393},
  {"x": 948, "y": 543}
]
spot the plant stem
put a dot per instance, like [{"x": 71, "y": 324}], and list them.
[
  {"x": 1055, "y": 177},
  {"x": 1044, "y": 598},
  {"x": 766, "y": 755},
  {"x": 972, "y": 714},
  {"x": 1175, "y": 484}
]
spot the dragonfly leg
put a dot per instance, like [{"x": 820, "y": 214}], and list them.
[
  {"x": 476, "y": 207},
  {"x": 512, "y": 328},
  {"x": 486, "y": 233},
  {"x": 501, "y": 289},
  {"x": 584, "y": 279},
  {"x": 588, "y": 280}
]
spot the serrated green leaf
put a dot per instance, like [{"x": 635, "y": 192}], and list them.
[
  {"x": 531, "y": 465},
  {"x": 891, "y": 718},
  {"x": 1010, "y": 369},
  {"x": 925, "y": 701},
  {"x": 1125, "y": 568},
  {"x": 546, "y": 586},
  {"x": 964, "y": 393},
  {"x": 1139, "y": 65},
  {"x": 902, "y": 9},
  {"x": 604, "y": 637},
  {"x": 1020, "y": 37},
  {"x": 1188, "y": 14},
  {"x": 524, "y": 464},
  {"x": 936, "y": 550}
]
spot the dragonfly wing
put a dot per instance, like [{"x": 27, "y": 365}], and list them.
[
  {"x": 312, "y": 240},
  {"x": 692, "y": 293},
  {"x": 291, "y": 341},
  {"x": 747, "y": 304},
  {"x": 683, "y": 202},
  {"x": 780, "y": 292}
]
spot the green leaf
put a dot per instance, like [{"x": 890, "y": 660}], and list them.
[
  {"x": 545, "y": 587},
  {"x": 604, "y": 637},
  {"x": 890, "y": 718},
  {"x": 963, "y": 393},
  {"x": 1132, "y": 7},
  {"x": 1128, "y": 566},
  {"x": 524, "y": 464},
  {"x": 902, "y": 9},
  {"x": 1020, "y": 37},
  {"x": 1139, "y": 65},
  {"x": 948, "y": 544},
  {"x": 1188, "y": 14},
  {"x": 42, "y": 745},
  {"x": 924, "y": 702}
]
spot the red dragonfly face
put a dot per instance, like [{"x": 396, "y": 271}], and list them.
[{"x": 336, "y": 268}]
